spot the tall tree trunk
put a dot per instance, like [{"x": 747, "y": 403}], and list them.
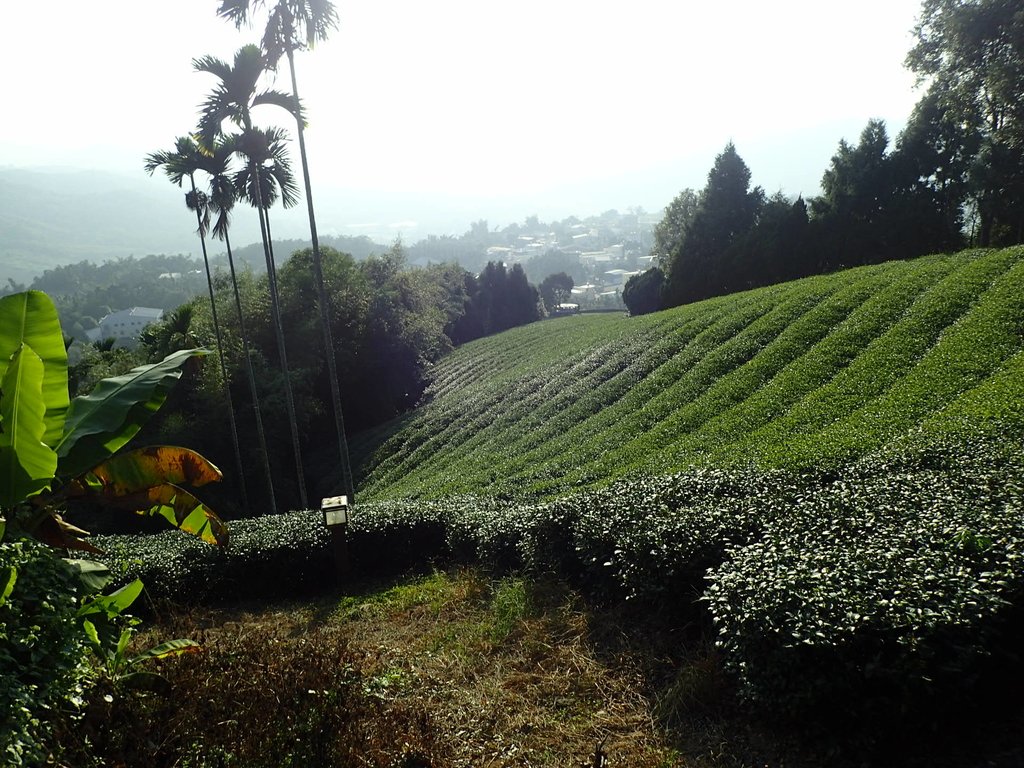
[
  {"x": 275, "y": 311},
  {"x": 261, "y": 435},
  {"x": 239, "y": 468},
  {"x": 325, "y": 323}
]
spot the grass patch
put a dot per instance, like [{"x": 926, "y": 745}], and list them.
[{"x": 451, "y": 669}]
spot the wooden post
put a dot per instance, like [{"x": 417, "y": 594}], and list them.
[{"x": 342, "y": 564}]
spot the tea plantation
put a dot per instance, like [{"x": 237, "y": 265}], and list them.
[{"x": 828, "y": 472}]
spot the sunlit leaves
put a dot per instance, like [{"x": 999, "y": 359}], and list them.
[
  {"x": 30, "y": 318},
  {"x": 27, "y": 464}
]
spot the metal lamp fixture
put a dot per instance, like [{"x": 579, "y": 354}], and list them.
[{"x": 335, "y": 509}]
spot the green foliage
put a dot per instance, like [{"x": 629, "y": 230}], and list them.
[
  {"x": 30, "y": 319},
  {"x": 726, "y": 211},
  {"x": 44, "y": 631},
  {"x": 109, "y": 630},
  {"x": 43, "y": 651},
  {"x": 828, "y": 469},
  {"x": 273, "y": 555},
  {"x": 885, "y": 583},
  {"x": 972, "y": 54},
  {"x": 555, "y": 289},
  {"x": 86, "y": 433},
  {"x": 27, "y": 464},
  {"x": 888, "y": 585}
]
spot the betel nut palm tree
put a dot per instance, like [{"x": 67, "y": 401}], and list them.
[
  {"x": 184, "y": 161},
  {"x": 294, "y": 25},
  {"x": 216, "y": 163},
  {"x": 233, "y": 98}
]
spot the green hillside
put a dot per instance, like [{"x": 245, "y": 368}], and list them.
[{"x": 809, "y": 374}]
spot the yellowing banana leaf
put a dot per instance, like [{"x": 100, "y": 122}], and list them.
[
  {"x": 27, "y": 464},
  {"x": 30, "y": 318},
  {"x": 177, "y": 506},
  {"x": 100, "y": 423},
  {"x": 147, "y": 467}
]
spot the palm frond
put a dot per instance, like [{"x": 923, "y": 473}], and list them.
[
  {"x": 249, "y": 65},
  {"x": 183, "y": 161},
  {"x": 217, "y": 108},
  {"x": 222, "y": 200},
  {"x": 320, "y": 18},
  {"x": 199, "y": 202},
  {"x": 278, "y": 35},
  {"x": 266, "y": 150},
  {"x": 212, "y": 65},
  {"x": 283, "y": 100},
  {"x": 238, "y": 12}
]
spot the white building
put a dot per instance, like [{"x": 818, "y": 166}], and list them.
[{"x": 125, "y": 324}]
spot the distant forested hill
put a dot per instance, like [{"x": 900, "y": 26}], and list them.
[{"x": 57, "y": 217}]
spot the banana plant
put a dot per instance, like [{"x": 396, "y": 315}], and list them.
[
  {"x": 53, "y": 449},
  {"x": 110, "y": 630}
]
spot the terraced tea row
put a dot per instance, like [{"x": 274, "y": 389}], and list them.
[{"x": 821, "y": 370}]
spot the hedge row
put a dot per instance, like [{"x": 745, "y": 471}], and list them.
[{"x": 884, "y": 582}]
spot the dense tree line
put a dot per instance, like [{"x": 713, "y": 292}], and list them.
[
  {"x": 390, "y": 323},
  {"x": 953, "y": 176}
]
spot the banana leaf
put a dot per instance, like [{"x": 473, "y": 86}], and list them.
[
  {"x": 114, "y": 604},
  {"x": 93, "y": 574},
  {"x": 144, "y": 468},
  {"x": 176, "y": 505},
  {"x": 30, "y": 318},
  {"x": 53, "y": 531},
  {"x": 100, "y": 423},
  {"x": 168, "y": 649},
  {"x": 27, "y": 464}
]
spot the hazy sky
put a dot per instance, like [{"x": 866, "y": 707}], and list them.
[{"x": 549, "y": 106}]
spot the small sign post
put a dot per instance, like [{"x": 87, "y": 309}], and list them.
[{"x": 336, "y": 512}]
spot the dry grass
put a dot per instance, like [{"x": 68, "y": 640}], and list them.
[
  {"x": 509, "y": 677},
  {"x": 453, "y": 670},
  {"x": 443, "y": 671}
]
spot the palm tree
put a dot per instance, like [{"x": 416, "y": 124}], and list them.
[
  {"x": 233, "y": 98},
  {"x": 294, "y": 25},
  {"x": 178, "y": 164},
  {"x": 217, "y": 165}
]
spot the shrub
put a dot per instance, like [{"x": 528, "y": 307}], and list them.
[
  {"x": 270, "y": 556},
  {"x": 884, "y": 587},
  {"x": 642, "y": 293},
  {"x": 43, "y": 652}
]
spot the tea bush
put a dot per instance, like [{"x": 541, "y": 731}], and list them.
[
  {"x": 828, "y": 469},
  {"x": 276, "y": 555},
  {"x": 887, "y": 585}
]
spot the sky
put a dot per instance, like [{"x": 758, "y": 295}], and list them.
[{"x": 480, "y": 108}]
